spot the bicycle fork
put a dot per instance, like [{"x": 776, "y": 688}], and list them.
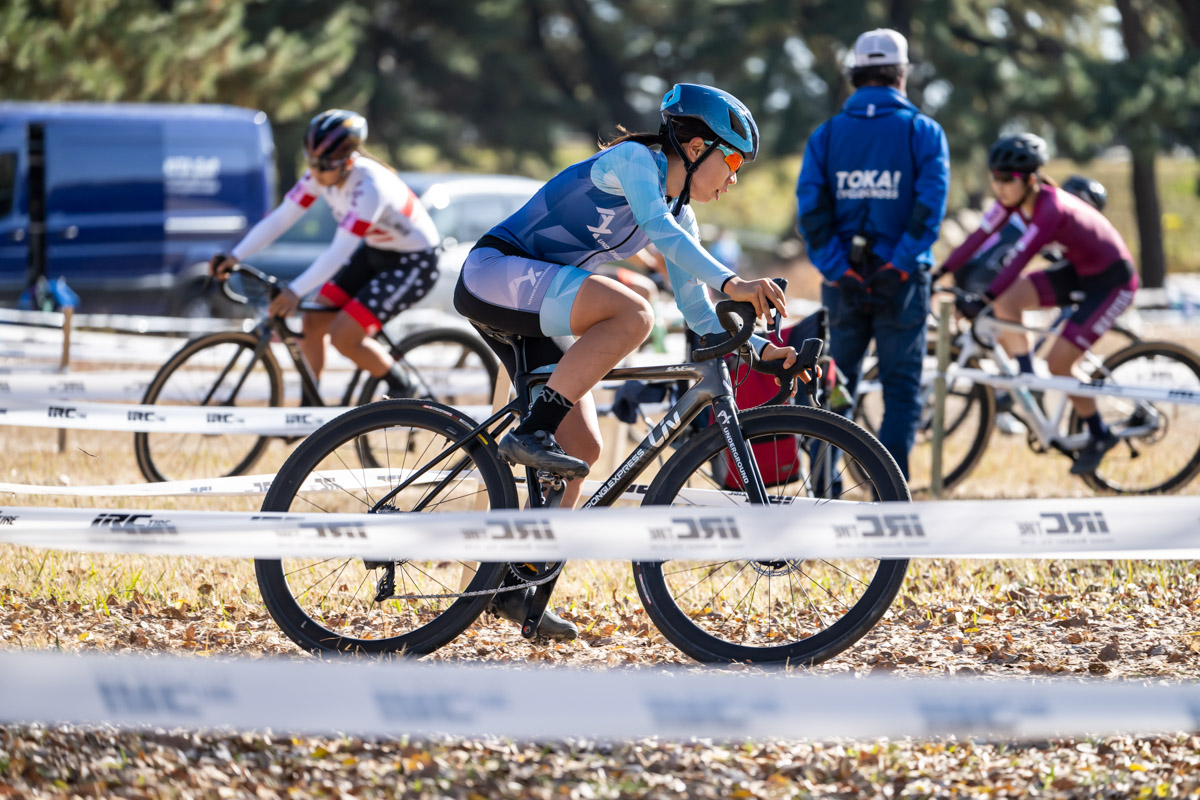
[{"x": 743, "y": 459}]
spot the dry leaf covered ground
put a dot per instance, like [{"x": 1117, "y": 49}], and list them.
[{"x": 1093, "y": 621}]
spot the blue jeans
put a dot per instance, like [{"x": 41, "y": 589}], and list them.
[{"x": 899, "y": 333}]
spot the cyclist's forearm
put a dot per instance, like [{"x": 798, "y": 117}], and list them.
[
  {"x": 329, "y": 262},
  {"x": 268, "y": 229}
]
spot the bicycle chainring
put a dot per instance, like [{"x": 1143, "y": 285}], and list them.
[{"x": 533, "y": 573}]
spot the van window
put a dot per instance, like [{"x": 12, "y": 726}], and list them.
[
  {"x": 8, "y": 182},
  {"x": 468, "y": 217}
]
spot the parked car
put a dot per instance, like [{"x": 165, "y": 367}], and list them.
[
  {"x": 126, "y": 202},
  {"x": 463, "y": 206}
]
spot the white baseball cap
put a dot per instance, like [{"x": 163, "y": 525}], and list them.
[{"x": 880, "y": 47}]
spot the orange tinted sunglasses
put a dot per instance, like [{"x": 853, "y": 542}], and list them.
[{"x": 732, "y": 157}]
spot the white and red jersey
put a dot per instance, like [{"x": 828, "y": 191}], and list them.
[{"x": 373, "y": 205}]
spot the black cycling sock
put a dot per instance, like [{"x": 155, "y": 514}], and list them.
[
  {"x": 1025, "y": 362},
  {"x": 1096, "y": 426},
  {"x": 546, "y": 412},
  {"x": 397, "y": 383}
]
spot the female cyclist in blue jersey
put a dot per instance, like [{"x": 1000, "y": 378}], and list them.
[{"x": 530, "y": 275}]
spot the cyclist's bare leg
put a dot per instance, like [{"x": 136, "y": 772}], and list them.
[
  {"x": 579, "y": 436},
  {"x": 1015, "y": 299},
  {"x": 1061, "y": 359},
  {"x": 610, "y": 321},
  {"x": 316, "y": 330},
  {"x": 352, "y": 341}
]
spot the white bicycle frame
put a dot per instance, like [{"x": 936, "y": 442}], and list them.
[{"x": 1047, "y": 428}]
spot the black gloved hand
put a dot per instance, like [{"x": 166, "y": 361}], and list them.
[
  {"x": 970, "y": 304},
  {"x": 221, "y": 265},
  {"x": 884, "y": 283}
]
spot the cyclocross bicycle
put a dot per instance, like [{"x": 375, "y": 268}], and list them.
[
  {"x": 1147, "y": 392},
  {"x": 971, "y": 409},
  {"x": 234, "y": 368},
  {"x": 788, "y": 610}
]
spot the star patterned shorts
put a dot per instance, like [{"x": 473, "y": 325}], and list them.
[{"x": 376, "y": 285}]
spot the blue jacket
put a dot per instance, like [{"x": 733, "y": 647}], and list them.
[{"x": 880, "y": 166}]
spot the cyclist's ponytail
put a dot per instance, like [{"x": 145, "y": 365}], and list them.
[
  {"x": 686, "y": 129},
  {"x": 362, "y": 151}
]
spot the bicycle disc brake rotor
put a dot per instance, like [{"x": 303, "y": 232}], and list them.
[{"x": 776, "y": 569}]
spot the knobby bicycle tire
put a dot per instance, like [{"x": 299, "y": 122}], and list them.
[
  {"x": 1127, "y": 469},
  {"x": 329, "y": 604},
  {"x": 186, "y": 379},
  {"x": 446, "y": 351},
  {"x": 969, "y": 424},
  {"x": 796, "y": 624}
]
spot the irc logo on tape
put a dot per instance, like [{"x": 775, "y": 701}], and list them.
[
  {"x": 731, "y": 713},
  {"x": 133, "y": 523},
  {"x": 334, "y": 530},
  {"x": 435, "y": 707},
  {"x": 698, "y": 528},
  {"x": 299, "y": 419},
  {"x": 500, "y": 529},
  {"x": 8, "y": 519},
  {"x": 998, "y": 716},
  {"x": 64, "y": 412},
  {"x": 882, "y": 526},
  {"x": 68, "y": 386},
  {"x": 1055, "y": 523},
  {"x": 173, "y": 698},
  {"x": 221, "y": 418},
  {"x": 143, "y": 416}
]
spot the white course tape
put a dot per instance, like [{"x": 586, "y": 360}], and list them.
[
  {"x": 126, "y": 323},
  {"x": 240, "y": 485},
  {"x": 263, "y": 421},
  {"x": 50, "y": 386},
  {"x": 358, "y": 479},
  {"x": 395, "y": 699},
  {"x": 1077, "y": 388},
  {"x": 1094, "y": 528}
]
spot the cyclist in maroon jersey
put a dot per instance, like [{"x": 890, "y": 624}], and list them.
[{"x": 1096, "y": 262}]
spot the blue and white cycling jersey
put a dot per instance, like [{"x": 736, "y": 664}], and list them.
[{"x": 604, "y": 208}]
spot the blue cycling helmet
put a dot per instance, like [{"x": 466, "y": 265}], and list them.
[
  {"x": 726, "y": 116},
  {"x": 723, "y": 113}
]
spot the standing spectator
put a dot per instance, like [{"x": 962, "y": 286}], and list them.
[{"x": 872, "y": 194}]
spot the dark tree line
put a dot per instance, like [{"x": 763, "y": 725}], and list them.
[{"x": 513, "y": 76}]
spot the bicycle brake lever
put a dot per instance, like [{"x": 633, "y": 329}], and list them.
[{"x": 806, "y": 359}]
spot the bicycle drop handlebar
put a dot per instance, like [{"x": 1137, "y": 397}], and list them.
[
  {"x": 738, "y": 319},
  {"x": 270, "y": 281}
]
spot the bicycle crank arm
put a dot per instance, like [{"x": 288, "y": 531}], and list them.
[{"x": 537, "y": 606}]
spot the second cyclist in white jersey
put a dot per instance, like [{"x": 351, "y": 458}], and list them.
[{"x": 382, "y": 259}]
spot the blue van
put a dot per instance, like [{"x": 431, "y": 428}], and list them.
[{"x": 127, "y": 202}]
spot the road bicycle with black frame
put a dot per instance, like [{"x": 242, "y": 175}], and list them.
[
  {"x": 236, "y": 368},
  {"x": 787, "y": 610}
]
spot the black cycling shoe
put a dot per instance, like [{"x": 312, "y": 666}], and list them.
[
  {"x": 1093, "y": 452},
  {"x": 512, "y": 606},
  {"x": 540, "y": 451}
]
